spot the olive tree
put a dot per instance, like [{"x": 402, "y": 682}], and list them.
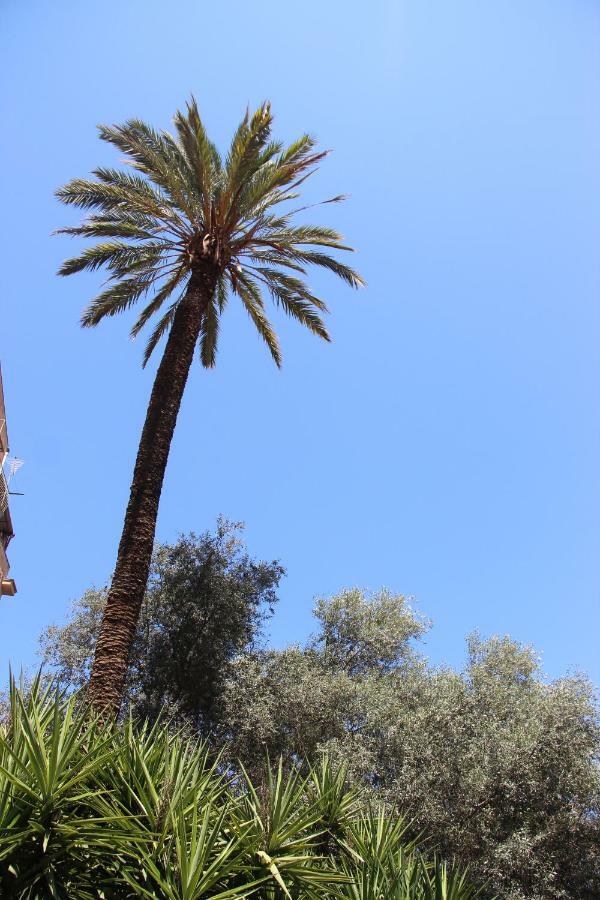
[
  {"x": 498, "y": 765},
  {"x": 206, "y": 601}
]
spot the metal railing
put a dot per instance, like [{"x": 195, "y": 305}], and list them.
[{"x": 3, "y": 493}]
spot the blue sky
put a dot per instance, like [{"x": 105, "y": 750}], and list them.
[{"x": 446, "y": 444}]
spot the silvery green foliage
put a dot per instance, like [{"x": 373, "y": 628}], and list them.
[{"x": 497, "y": 765}]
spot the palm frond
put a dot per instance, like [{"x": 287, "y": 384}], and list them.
[
  {"x": 252, "y": 300},
  {"x": 111, "y": 227},
  {"x": 116, "y": 298},
  {"x": 118, "y": 190},
  {"x": 276, "y": 182},
  {"x": 222, "y": 294},
  {"x": 248, "y": 152},
  {"x": 139, "y": 193},
  {"x": 302, "y": 311},
  {"x": 209, "y": 333},
  {"x": 289, "y": 285},
  {"x": 201, "y": 154},
  {"x": 323, "y": 260},
  {"x": 316, "y": 235},
  {"x": 157, "y": 301},
  {"x": 119, "y": 257},
  {"x": 154, "y": 155},
  {"x": 163, "y": 325},
  {"x": 296, "y": 300},
  {"x": 279, "y": 259}
]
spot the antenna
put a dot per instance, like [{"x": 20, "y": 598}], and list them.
[{"x": 14, "y": 464}]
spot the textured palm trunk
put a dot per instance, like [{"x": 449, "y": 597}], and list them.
[{"x": 105, "y": 691}]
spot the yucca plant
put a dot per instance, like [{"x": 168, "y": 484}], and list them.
[
  {"x": 50, "y": 836},
  {"x": 338, "y": 802},
  {"x": 155, "y": 771},
  {"x": 285, "y": 830},
  {"x": 119, "y": 812},
  {"x": 203, "y": 857},
  {"x": 187, "y": 230},
  {"x": 444, "y": 883},
  {"x": 381, "y": 863}
]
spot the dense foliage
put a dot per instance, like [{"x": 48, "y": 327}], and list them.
[
  {"x": 497, "y": 765},
  {"x": 115, "y": 812},
  {"x": 206, "y": 602}
]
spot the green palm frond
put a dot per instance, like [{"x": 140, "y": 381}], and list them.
[
  {"x": 120, "y": 258},
  {"x": 201, "y": 154},
  {"x": 222, "y": 294},
  {"x": 289, "y": 237},
  {"x": 300, "y": 309},
  {"x": 160, "y": 329},
  {"x": 182, "y": 217},
  {"x": 289, "y": 284},
  {"x": 116, "y": 190},
  {"x": 139, "y": 193},
  {"x": 95, "y": 257},
  {"x": 157, "y": 301},
  {"x": 248, "y": 152},
  {"x": 152, "y": 153},
  {"x": 314, "y": 258},
  {"x": 116, "y": 298},
  {"x": 129, "y": 226},
  {"x": 253, "y": 302},
  {"x": 209, "y": 333}
]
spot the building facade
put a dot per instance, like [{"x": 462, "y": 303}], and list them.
[{"x": 7, "y": 585}]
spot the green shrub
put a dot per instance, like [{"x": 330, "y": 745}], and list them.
[{"x": 89, "y": 810}]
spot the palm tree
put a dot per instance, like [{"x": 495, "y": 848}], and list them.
[{"x": 187, "y": 230}]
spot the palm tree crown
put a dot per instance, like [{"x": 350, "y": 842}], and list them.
[{"x": 185, "y": 211}]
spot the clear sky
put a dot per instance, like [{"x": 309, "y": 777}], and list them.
[{"x": 446, "y": 445}]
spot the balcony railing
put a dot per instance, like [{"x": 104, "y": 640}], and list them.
[{"x": 3, "y": 493}]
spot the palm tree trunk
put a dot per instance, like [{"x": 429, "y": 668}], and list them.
[{"x": 105, "y": 690}]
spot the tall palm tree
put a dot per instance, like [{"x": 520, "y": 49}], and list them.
[{"x": 187, "y": 230}]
